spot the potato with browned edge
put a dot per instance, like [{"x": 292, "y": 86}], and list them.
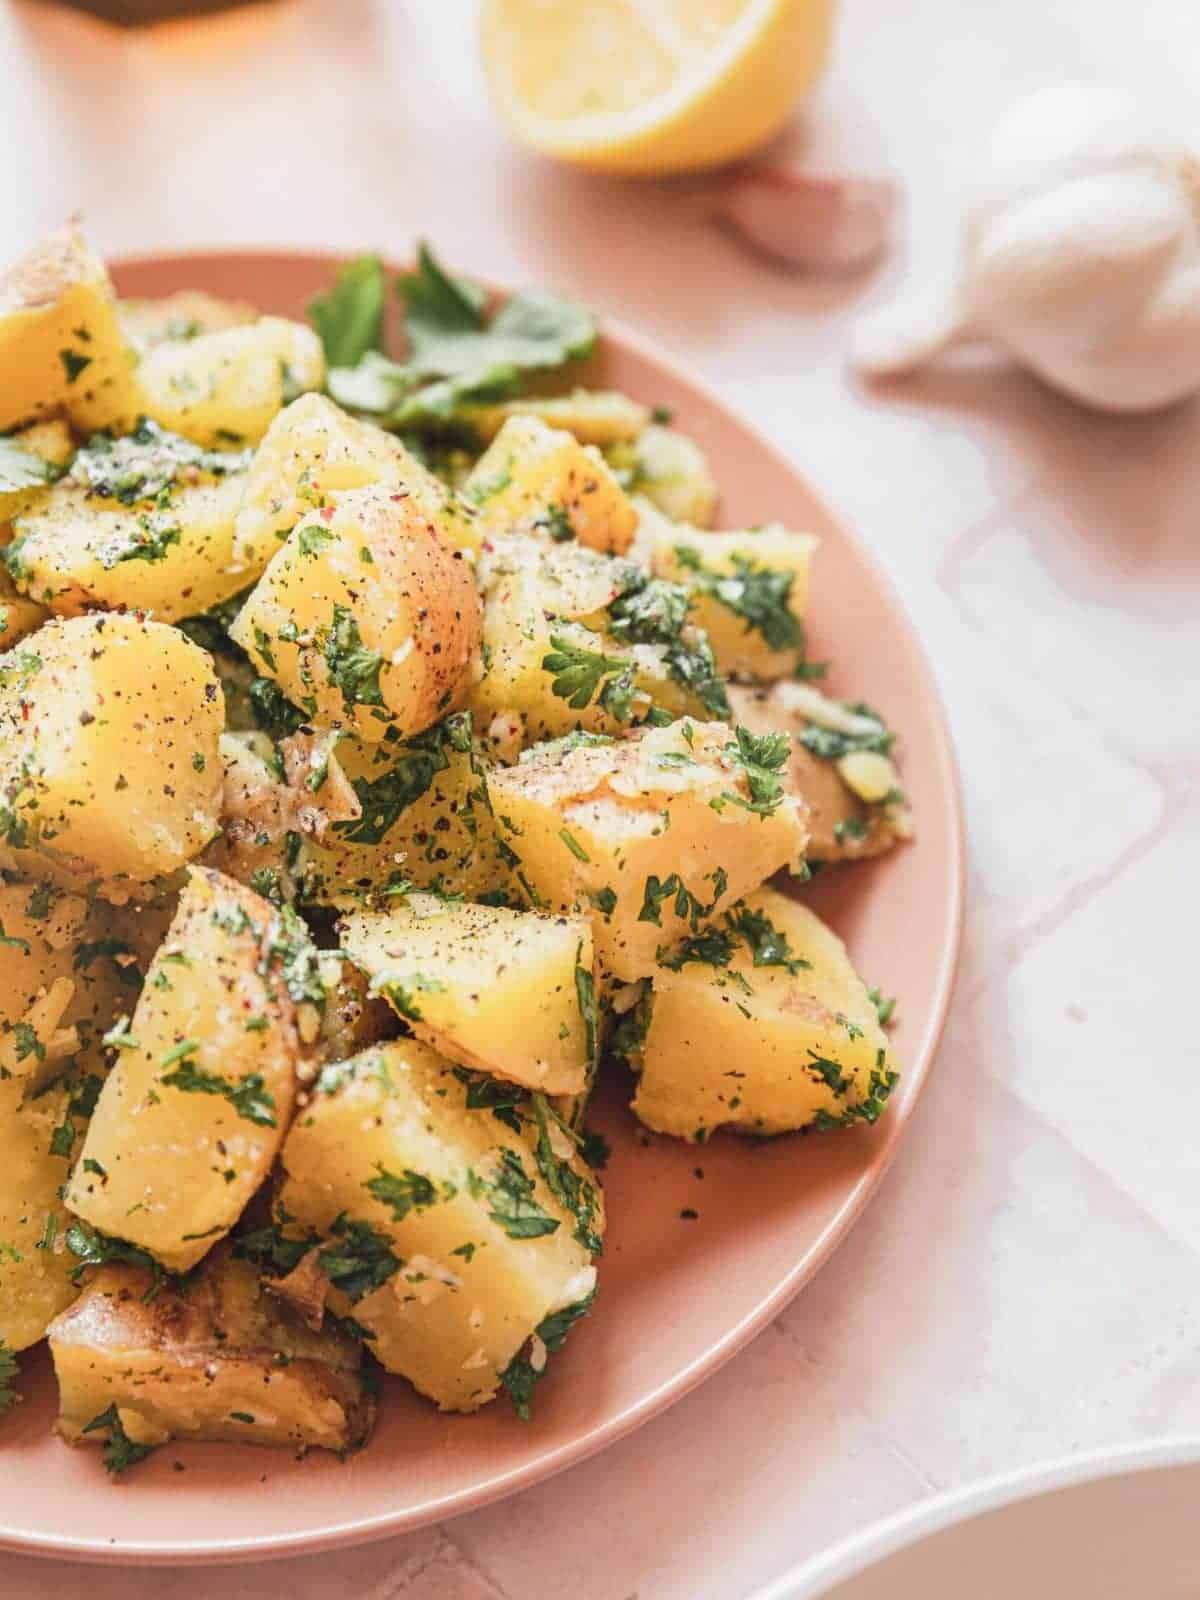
[
  {"x": 196, "y": 1107},
  {"x": 211, "y": 1357},
  {"x": 451, "y": 1236},
  {"x": 365, "y": 618}
]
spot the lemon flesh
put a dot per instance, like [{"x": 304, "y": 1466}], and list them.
[{"x": 651, "y": 86}]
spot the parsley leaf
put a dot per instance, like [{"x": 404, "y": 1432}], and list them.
[
  {"x": 94, "y": 1249},
  {"x": 361, "y": 1260},
  {"x": 579, "y": 673},
  {"x": 490, "y": 1094},
  {"x": 761, "y": 756},
  {"x": 885, "y": 1005},
  {"x": 521, "y": 1376},
  {"x": 120, "y": 1451},
  {"x": 759, "y": 595},
  {"x": 417, "y": 763},
  {"x": 349, "y": 318},
  {"x": 512, "y": 1204},
  {"x": 564, "y": 1183},
  {"x": 247, "y": 1095},
  {"x": 653, "y": 611},
  {"x": 585, "y": 994},
  {"x": 352, "y": 667},
  {"x": 767, "y": 944},
  {"x": 411, "y": 1191},
  {"x": 830, "y": 744}
]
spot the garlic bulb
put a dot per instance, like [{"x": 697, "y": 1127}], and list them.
[{"x": 1081, "y": 257}]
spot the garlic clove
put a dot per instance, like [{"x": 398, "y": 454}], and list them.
[
  {"x": 901, "y": 337},
  {"x": 820, "y": 222}
]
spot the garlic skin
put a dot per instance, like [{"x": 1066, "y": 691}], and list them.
[{"x": 1081, "y": 257}]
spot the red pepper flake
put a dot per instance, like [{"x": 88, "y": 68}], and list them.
[{"x": 327, "y": 513}]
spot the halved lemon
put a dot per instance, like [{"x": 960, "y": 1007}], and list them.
[{"x": 651, "y": 86}]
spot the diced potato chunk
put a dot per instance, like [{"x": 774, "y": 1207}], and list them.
[
  {"x": 365, "y": 618},
  {"x": 18, "y": 616},
  {"x": 145, "y": 522},
  {"x": 182, "y": 315},
  {"x": 441, "y": 1231},
  {"x": 109, "y": 766},
  {"x": 64, "y": 973},
  {"x": 574, "y": 639},
  {"x": 505, "y": 992},
  {"x": 223, "y": 389},
  {"x": 777, "y": 1032},
  {"x": 61, "y": 344},
  {"x": 843, "y": 825},
  {"x": 424, "y": 821},
  {"x": 192, "y": 1114},
  {"x": 37, "y": 1136},
  {"x": 653, "y": 833},
  {"x": 211, "y": 1358},
  {"x": 313, "y": 449},
  {"x": 671, "y": 471},
  {"x": 748, "y": 590},
  {"x": 594, "y": 416},
  {"x": 29, "y": 462},
  {"x": 544, "y": 481}
]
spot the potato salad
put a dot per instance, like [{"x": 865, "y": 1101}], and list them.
[{"x": 390, "y": 747}]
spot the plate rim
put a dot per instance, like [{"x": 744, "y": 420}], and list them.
[
  {"x": 343, "y": 1532},
  {"x": 903, "y": 1530}
]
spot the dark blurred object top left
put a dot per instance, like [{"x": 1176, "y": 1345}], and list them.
[{"x": 131, "y": 13}]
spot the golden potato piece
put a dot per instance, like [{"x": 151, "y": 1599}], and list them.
[
  {"x": 194, "y": 1111},
  {"x": 365, "y": 618},
  {"x": 441, "y": 1229},
  {"x": 30, "y": 461},
  {"x": 760, "y": 1023},
  {"x": 19, "y": 616},
  {"x": 61, "y": 344},
  {"x": 593, "y": 416},
  {"x": 145, "y": 522},
  {"x": 575, "y": 639},
  {"x": 653, "y": 833},
  {"x": 843, "y": 826},
  {"x": 37, "y": 1137},
  {"x": 210, "y": 1358},
  {"x": 65, "y": 972},
  {"x": 543, "y": 481},
  {"x": 109, "y": 768},
  {"x": 505, "y": 992},
  {"x": 224, "y": 389},
  {"x": 671, "y": 471}
]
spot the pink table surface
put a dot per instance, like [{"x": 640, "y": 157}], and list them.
[{"x": 1027, "y": 1281}]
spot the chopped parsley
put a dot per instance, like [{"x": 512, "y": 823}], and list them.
[
  {"x": 247, "y": 1095},
  {"x": 760, "y": 596},
  {"x": 96, "y": 1249},
  {"x": 572, "y": 1191},
  {"x": 503, "y": 1100},
  {"x": 653, "y": 611},
  {"x": 360, "y": 1261},
  {"x": 351, "y": 666},
  {"x": 401, "y": 992},
  {"x": 511, "y": 1201},
  {"x": 768, "y": 945},
  {"x": 120, "y": 1452},
  {"x": 831, "y": 744},
  {"x": 411, "y": 1191},
  {"x": 685, "y": 904},
  {"x": 879, "y": 1089},
  {"x": 762, "y": 756},
  {"x": 417, "y": 762},
  {"x": 585, "y": 994},
  {"x": 145, "y": 464},
  {"x": 579, "y": 674},
  {"x": 885, "y": 1005},
  {"x": 521, "y": 1376}
]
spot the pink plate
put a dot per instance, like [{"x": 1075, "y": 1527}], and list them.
[{"x": 678, "y": 1296}]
